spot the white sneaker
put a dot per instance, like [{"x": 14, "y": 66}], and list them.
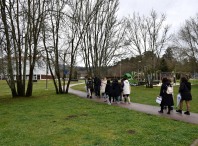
[
  {"x": 109, "y": 103},
  {"x": 118, "y": 102},
  {"x": 129, "y": 102}
]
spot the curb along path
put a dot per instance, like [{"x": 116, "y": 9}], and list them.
[{"x": 192, "y": 118}]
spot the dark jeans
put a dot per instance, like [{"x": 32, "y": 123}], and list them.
[
  {"x": 110, "y": 95},
  {"x": 98, "y": 93},
  {"x": 95, "y": 89}
]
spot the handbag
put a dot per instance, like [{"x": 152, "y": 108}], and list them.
[{"x": 159, "y": 100}]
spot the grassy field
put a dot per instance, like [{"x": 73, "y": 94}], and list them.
[
  {"x": 141, "y": 94},
  {"x": 50, "y": 119},
  {"x": 5, "y": 91}
]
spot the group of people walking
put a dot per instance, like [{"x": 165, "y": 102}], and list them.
[
  {"x": 121, "y": 91},
  {"x": 167, "y": 98},
  {"x": 112, "y": 91}
]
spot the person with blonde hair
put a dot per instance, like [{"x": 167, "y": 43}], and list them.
[{"x": 102, "y": 90}]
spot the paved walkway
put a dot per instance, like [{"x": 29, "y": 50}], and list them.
[{"x": 192, "y": 118}]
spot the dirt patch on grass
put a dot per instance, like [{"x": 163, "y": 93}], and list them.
[
  {"x": 66, "y": 119},
  {"x": 73, "y": 116},
  {"x": 84, "y": 115},
  {"x": 131, "y": 132},
  {"x": 148, "y": 114},
  {"x": 66, "y": 129}
]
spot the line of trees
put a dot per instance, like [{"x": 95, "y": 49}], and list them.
[
  {"x": 154, "y": 49},
  {"x": 60, "y": 31}
]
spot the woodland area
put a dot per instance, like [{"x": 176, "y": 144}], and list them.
[{"x": 66, "y": 31}]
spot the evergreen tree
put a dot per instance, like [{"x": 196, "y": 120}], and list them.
[
  {"x": 163, "y": 65},
  {"x": 168, "y": 54}
]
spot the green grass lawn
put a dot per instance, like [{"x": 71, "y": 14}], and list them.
[
  {"x": 50, "y": 119},
  {"x": 5, "y": 91},
  {"x": 143, "y": 95}
]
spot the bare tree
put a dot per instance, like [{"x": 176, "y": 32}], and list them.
[
  {"x": 103, "y": 39},
  {"x": 148, "y": 34},
  {"x": 78, "y": 25},
  {"x": 22, "y": 22},
  {"x": 186, "y": 42}
]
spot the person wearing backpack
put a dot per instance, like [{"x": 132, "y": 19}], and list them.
[
  {"x": 109, "y": 90},
  {"x": 166, "y": 94},
  {"x": 89, "y": 87},
  {"x": 185, "y": 90}
]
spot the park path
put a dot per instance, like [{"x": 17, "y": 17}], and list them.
[{"x": 192, "y": 118}]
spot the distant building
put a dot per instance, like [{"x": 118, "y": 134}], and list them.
[{"x": 40, "y": 72}]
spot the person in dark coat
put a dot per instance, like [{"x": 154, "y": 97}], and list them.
[
  {"x": 109, "y": 90},
  {"x": 89, "y": 85},
  {"x": 95, "y": 86},
  {"x": 116, "y": 90},
  {"x": 167, "y": 99},
  {"x": 98, "y": 84},
  {"x": 185, "y": 90}
]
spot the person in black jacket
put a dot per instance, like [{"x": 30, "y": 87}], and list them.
[
  {"x": 117, "y": 89},
  {"x": 98, "y": 84},
  {"x": 95, "y": 86},
  {"x": 89, "y": 87},
  {"x": 184, "y": 89},
  {"x": 109, "y": 90},
  {"x": 167, "y": 99}
]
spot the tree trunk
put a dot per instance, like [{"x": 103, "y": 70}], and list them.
[{"x": 10, "y": 69}]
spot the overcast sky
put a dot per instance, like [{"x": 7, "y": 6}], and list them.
[{"x": 177, "y": 11}]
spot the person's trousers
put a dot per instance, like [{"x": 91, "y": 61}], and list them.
[
  {"x": 89, "y": 92},
  {"x": 110, "y": 95},
  {"x": 118, "y": 99},
  {"x": 95, "y": 89},
  {"x": 104, "y": 94},
  {"x": 162, "y": 108}
]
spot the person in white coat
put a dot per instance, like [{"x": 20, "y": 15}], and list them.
[
  {"x": 126, "y": 90},
  {"x": 102, "y": 90}
]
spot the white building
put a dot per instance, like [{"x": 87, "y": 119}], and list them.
[{"x": 40, "y": 72}]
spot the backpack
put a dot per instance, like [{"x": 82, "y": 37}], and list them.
[
  {"x": 169, "y": 90},
  {"x": 90, "y": 84}
]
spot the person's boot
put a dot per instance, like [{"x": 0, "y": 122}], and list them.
[
  {"x": 129, "y": 100},
  {"x": 179, "y": 111},
  {"x": 187, "y": 113},
  {"x": 87, "y": 96},
  {"x": 168, "y": 111},
  {"x": 161, "y": 111}
]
